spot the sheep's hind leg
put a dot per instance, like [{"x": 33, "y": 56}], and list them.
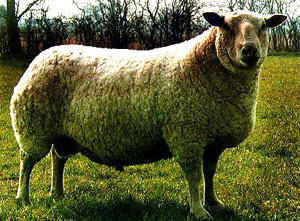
[
  {"x": 210, "y": 160},
  {"x": 27, "y": 163},
  {"x": 57, "y": 169}
]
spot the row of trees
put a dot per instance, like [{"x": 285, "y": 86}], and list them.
[{"x": 138, "y": 24}]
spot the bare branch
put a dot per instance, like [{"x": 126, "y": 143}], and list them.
[
  {"x": 77, "y": 5},
  {"x": 18, "y": 6},
  {"x": 29, "y": 6}
]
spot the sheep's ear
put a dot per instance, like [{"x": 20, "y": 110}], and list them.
[
  {"x": 214, "y": 18},
  {"x": 274, "y": 20}
]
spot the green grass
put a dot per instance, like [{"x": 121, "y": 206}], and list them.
[{"x": 260, "y": 180}]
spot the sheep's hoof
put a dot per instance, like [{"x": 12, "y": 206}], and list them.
[
  {"x": 119, "y": 168},
  {"x": 201, "y": 214},
  {"x": 214, "y": 203},
  {"x": 56, "y": 195},
  {"x": 21, "y": 202}
]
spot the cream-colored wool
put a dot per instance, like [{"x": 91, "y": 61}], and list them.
[{"x": 122, "y": 107}]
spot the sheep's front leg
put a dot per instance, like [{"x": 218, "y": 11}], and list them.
[
  {"x": 196, "y": 208},
  {"x": 190, "y": 161},
  {"x": 210, "y": 160},
  {"x": 26, "y": 165},
  {"x": 57, "y": 170}
]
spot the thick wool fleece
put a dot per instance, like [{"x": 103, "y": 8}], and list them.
[{"x": 122, "y": 107}]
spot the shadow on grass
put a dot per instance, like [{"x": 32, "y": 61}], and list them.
[
  {"x": 227, "y": 214},
  {"x": 284, "y": 54},
  {"x": 128, "y": 208},
  {"x": 15, "y": 61}
]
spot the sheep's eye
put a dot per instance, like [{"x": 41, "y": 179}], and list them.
[
  {"x": 227, "y": 27},
  {"x": 263, "y": 26}
]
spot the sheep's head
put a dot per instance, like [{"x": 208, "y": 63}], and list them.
[{"x": 242, "y": 38}]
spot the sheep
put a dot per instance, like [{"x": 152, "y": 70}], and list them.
[{"x": 122, "y": 107}]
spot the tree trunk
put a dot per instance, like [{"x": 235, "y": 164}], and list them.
[{"x": 14, "y": 41}]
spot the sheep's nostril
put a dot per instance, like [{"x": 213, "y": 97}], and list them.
[
  {"x": 249, "y": 50},
  {"x": 250, "y": 60},
  {"x": 250, "y": 54}
]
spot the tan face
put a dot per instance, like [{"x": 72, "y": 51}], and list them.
[
  {"x": 242, "y": 39},
  {"x": 248, "y": 39}
]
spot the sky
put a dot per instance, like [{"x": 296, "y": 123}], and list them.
[
  {"x": 64, "y": 7},
  {"x": 58, "y": 7}
]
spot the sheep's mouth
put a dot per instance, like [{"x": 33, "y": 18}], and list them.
[
  {"x": 249, "y": 62},
  {"x": 242, "y": 63}
]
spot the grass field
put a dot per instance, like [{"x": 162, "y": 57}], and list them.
[{"x": 259, "y": 180}]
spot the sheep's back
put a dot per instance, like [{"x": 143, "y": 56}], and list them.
[{"x": 103, "y": 99}]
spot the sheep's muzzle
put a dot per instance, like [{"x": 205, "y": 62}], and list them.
[{"x": 250, "y": 55}]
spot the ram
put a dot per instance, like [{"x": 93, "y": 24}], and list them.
[{"x": 189, "y": 101}]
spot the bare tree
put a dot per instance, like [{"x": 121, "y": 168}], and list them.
[
  {"x": 177, "y": 19},
  {"x": 117, "y": 19},
  {"x": 14, "y": 41},
  {"x": 110, "y": 21},
  {"x": 164, "y": 22},
  {"x": 3, "y": 33},
  {"x": 40, "y": 32},
  {"x": 84, "y": 29},
  {"x": 13, "y": 17},
  {"x": 52, "y": 31},
  {"x": 146, "y": 23},
  {"x": 250, "y": 5}
]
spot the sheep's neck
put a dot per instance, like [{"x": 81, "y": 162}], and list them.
[
  {"x": 217, "y": 80},
  {"x": 210, "y": 72}
]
